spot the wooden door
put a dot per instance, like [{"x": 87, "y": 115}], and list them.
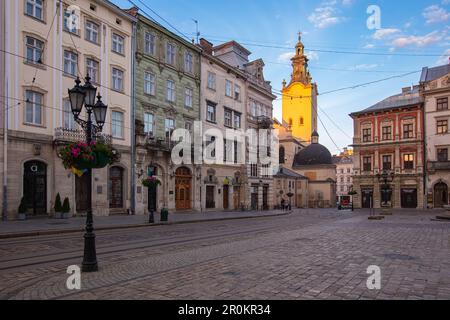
[
  {"x": 116, "y": 188},
  {"x": 226, "y": 197},
  {"x": 237, "y": 198},
  {"x": 210, "y": 203},
  {"x": 183, "y": 189},
  {"x": 35, "y": 187},
  {"x": 440, "y": 195},
  {"x": 81, "y": 196}
]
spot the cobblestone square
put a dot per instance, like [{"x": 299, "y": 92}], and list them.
[{"x": 310, "y": 254}]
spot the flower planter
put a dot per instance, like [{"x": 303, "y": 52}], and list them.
[
  {"x": 22, "y": 216},
  {"x": 101, "y": 160},
  {"x": 164, "y": 215},
  {"x": 58, "y": 215}
]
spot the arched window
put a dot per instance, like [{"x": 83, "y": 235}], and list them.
[
  {"x": 302, "y": 121},
  {"x": 290, "y": 122},
  {"x": 282, "y": 154}
]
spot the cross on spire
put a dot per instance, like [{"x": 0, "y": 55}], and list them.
[{"x": 300, "y": 36}]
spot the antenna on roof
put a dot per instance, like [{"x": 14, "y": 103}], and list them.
[{"x": 197, "y": 33}]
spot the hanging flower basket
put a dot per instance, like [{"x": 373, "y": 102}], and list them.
[
  {"x": 81, "y": 156},
  {"x": 151, "y": 182}
]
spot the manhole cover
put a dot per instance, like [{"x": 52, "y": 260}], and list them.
[{"x": 395, "y": 256}]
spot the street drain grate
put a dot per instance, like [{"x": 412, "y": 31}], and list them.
[{"x": 395, "y": 256}]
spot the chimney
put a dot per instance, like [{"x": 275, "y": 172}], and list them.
[
  {"x": 132, "y": 11},
  {"x": 406, "y": 90},
  {"x": 206, "y": 46}
]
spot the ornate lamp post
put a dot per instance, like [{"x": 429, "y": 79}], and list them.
[
  {"x": 386, "y": 177},
  {"x": 79, "y": 96}
]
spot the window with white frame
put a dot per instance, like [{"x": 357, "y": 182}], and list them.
[
  {"x": 35, "y": 9},
  {"x": 210, "y": 112},
  {"x": 118, "y": 43},
  {"x": 253, "y": 108},
  {"x": 169, "y": 126},
  {"x": 117, "y": 124},
  {"x": 188, "y": 62},
  {"x": 237, "y": 120},
  {"x": 35, "y": 49},
  {"x": 117, "y": 79},
  {"x": 188, "y": 97},
  {"x": 170, "y": 85},
  {"x": 70, "y": 63},
  {"x": 148, "y": 123},
  {"x": 237, "y": 92},
  {"x": 92, "y": 32},
  {"x": 33, "y": 108},
  {"x": 68, "y": 119},
  {"x": 92, "y": 69},
  {"x": 228, "y": 114},
  {"x": 228, "y": 88},
  {"x": 150, "y": 43},
  {"x": 149, "y": 83},
  {"x": 170, "y": 54},
  {"x": 70, "y": 21},
  {"x": 211, "y": 81}
]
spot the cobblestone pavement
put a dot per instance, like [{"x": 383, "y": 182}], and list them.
[{"x": 311, "y": 254}]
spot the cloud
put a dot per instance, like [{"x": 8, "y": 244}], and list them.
[
  {"x": 384, "y": 33},
  {"x": 287, "y": 56},
  {"x": 436, "y": 14},
  {"x": 326, "y": 15},
  {"x": 369, "y": 46},
  {"x": 418, "y": 41},
  {"x": 445, "y": 57},
  {"x": 365, "y": 66},
  {"x": 312, "y": 55}
]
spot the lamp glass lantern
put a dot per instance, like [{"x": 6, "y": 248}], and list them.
[
  {"x": 90, "y": 92},
  {"x": 100, "y": 111},
  {"x": 77, "y": 98}
]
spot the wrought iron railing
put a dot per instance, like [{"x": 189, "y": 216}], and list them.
[{"x": 64, "y": 135}]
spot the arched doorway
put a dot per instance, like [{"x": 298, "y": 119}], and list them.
[
  {"x": 116, "y": 188},
  {"x": 440, "y": 195},
  {"x": 183, "y": 188},
  {"x": 35, "y": 187}
]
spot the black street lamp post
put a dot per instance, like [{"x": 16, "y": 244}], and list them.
[
  {"x": 79, "y": 96},
  {"x": 386, "y": 178}
]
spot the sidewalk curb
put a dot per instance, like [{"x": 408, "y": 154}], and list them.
[{"x": 129, "y": 226}]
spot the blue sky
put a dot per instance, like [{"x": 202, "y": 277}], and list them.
[{"x": 407, "y": 27}]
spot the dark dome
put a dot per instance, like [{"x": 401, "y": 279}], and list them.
[{"x": 314, "y": 154}]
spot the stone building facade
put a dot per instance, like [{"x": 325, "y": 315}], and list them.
[
  {"x": 49, "y": 53},
  {"x": 288, "y": 182},
  {"x": 435, "y": 90},
  {"x": 389, "y": 137},
  {"x": 344, "y": 175},
  {"x": 223, "y": 110},
  {"x": 258, "y": 101},
  {"x": 167, "y": 97}
]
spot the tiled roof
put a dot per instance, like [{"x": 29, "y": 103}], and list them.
[
  {"x": 430, "y": 74},
  {"x": 409, "y": 98},
  {"x": 289, "y": 173}
]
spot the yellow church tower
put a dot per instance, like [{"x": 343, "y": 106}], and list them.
[{"x": 300, "y": 98}]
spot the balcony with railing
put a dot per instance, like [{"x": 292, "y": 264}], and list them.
[
  {"x": 64, "y": 135},
  {"x": 438, "y": 165},
  {"x": 264, "y": 122}
]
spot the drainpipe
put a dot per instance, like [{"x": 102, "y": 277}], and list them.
[
  {"x": 133, "y": 119},
  {"x": 5, "y": 157}
]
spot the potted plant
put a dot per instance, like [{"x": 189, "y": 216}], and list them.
[
  {"x": 151, "y": 181},
  {"x": 22, "y": 211},
  {"x": 66, "y": 209},
  {"x": 164, "y": 215},
  {"x": 58, "y": 207},
  {"x": 80, "y": 155}
]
